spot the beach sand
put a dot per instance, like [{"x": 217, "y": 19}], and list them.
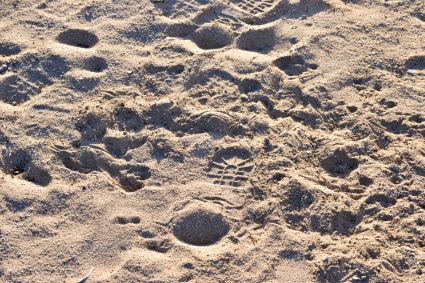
[{"x": 212, "y": 141}]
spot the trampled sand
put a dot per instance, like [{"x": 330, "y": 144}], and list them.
[{"x": 212, "y": 141}]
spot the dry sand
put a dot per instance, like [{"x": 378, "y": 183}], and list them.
[{"x": 212, "y": 141}]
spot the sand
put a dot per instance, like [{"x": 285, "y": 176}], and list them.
[{"x": 212, "y": 141}]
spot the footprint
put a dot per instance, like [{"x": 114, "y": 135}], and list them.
[
  {"x": 257, "y": 12},
  {"x": 9, "y": 49},
  {"x": 30, "y": 74},
  {"x": 208, "y": 36},
  {"x": 387, "y": 103},
  {"x": 20, "y": 163},
  {"x": 78, "y": 38},
  {"x": 257, "y": 40},
  {"x": 305, "y": 209},
  {"x": 230, "y": 166},
  {"x": 211, "y": 122},
  {"x": 338, "y": 163},
  {"x": 297, "y": 197},
  {"x": 212, "y": 37},
  {"x": 249, "y": 85},
  {"x": 127, "y": 220},
  {"x": 254, "y": 7},
  {"x": 416, "y": 65},
  {"x": 118, "y": 145},
  {"x": 381, "y": 199},
  {"x": 128, "y": 119},
  {"x": 17, "y": 162},
  {"x": 180, "y": 30},
  {"x": 200, "y": 227},
  {"x": 95, "y": 64},
  {"x": 86, "y": 160},
  {"x": 15, "y": 90},
  {"x": 131, "y": 177},
  {"x": 83, "y": 161},
  {"x": 93, "y": 125},
  {"x": 342, "y": 222},
  {"x": 293, "y": 65}
]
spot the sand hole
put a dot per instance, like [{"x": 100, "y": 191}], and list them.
[
  {"x": 365, "y": 181},
  {"x": 180, "y": 30},
  {"x": 417, "y": 118},
  {"x": 420, "y": 15},
  {"x": 339, "y": 163},
  {"x": 212, "y": 122},
  {"x": 293, "y": 65},
  {"x": 416, "y": 63},
  {"x": 200, "y": 228},
  {"x": 381, "y": 199},
  {"x": 131, "y": 178},
  {"x": 298, "y": 198},
  {"x": 249, "y": 85},
  {"x": 211, "y": 37},
  {"x": 159, "y": 246},
  {"x": 127, "y": 220},
  {"x": 20, "y": 163},
  {"x": 38, "y": 176},
  {"x": 95, "y": 64},
  {"x": 259, "y": 40},
  {"x": 78, "y": 38},
  {"x": 9, "y": 49},
  {"x": 92, "y": 125},
  {"x": 352, "y": 108},
  {"x": 17, "y": 162},
  {"x": 84, "y": 162},
  {"x": 388, "y": 103},
  {"x": 128, "y": 119}
]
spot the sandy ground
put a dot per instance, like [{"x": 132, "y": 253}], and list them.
[{"x": 212, "y": 141}]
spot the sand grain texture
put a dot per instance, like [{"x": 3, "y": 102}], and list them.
[{"x": 212, "y": 141}]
